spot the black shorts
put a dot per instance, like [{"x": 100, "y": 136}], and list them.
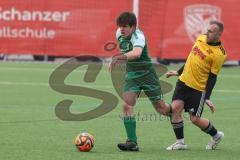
[{"x": 193, "y": 99}]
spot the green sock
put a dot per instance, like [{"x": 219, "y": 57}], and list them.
[{"x": 130, "y": 126}]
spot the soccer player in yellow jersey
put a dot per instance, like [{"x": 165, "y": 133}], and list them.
[{"x": 194, "y": 86}]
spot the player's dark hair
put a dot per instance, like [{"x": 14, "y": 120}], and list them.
[
  {"x": 126, "y": 18},
  {"x": 219, "y": 24}
]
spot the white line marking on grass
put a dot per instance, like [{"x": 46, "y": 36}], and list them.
[
  {"x": 83, "y": 70},
  {"x": 24, "y": 69},
  {"x": 47, "y": 84},
  {"x": 98, "y": 86},
  {"x": 78, "y": 70},
  {"x": 24, "y": 83},
  {"x": 229, "y": 76},
  {"x": 226, "y": 91}
]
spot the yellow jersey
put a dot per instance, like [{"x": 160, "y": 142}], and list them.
[{"x": 202, "y": 60}]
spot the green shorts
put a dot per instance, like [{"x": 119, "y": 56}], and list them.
[{"x": 149, "y": 83}]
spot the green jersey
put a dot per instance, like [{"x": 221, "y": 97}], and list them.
[{"x": 138, "y": 67}]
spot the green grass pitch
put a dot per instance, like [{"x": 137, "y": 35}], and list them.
[{"x": 30, "y": 130}]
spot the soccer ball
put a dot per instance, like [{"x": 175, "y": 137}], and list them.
[{"x": 84, "y": 142}]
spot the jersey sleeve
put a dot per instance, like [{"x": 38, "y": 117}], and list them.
[
  {"x": 217, "y": 64},
  {"x": 138, "y": 40}
]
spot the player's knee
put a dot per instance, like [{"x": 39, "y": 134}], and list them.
[
  {"x": 176, "y": 118},
  {"x": 195, "y": 120},
  {"x": 161, "y": 107},
  {"x": 126, "y": 106},
  {"x": 175, "y": 111},
  {"x": 161, "y": 111},
  {"x": 128, "y": 102},
  {"x": 177, "y": 107},
  {"x": 127, "y": 109}
]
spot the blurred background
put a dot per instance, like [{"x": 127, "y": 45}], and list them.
[{"x": 38, "y": 36}]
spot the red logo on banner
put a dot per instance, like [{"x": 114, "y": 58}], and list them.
[{"x": 197, "y": 18}]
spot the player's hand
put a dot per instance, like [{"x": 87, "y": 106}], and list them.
[
  {"x": 112, "y": 64},
  {"x": 171, "y": 73},
  {"x": 210, "y": 105},
  {"x": 111, "y": 67}
]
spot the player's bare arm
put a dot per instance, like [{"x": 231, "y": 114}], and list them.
[
  {"x": 134, "y": 54},
  {"x": 175, "y": 73},
  {"x": 171, "y": 73}
]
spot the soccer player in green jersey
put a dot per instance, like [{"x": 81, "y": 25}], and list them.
[{"x": 140, "y": 75}]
